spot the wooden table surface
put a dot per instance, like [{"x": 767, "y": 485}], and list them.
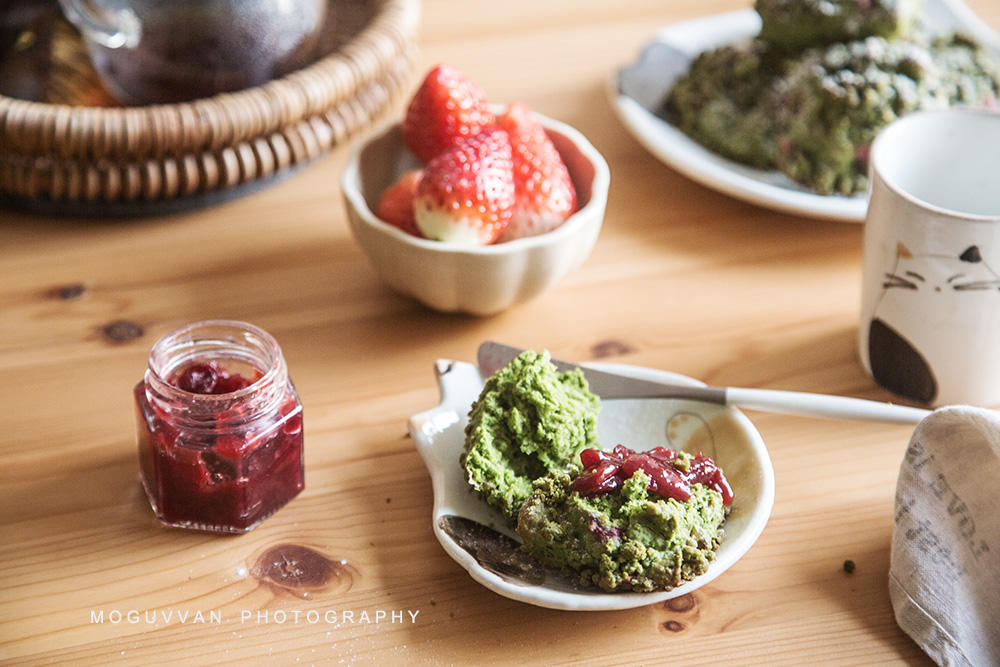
[{"x": 682, "y": 278}]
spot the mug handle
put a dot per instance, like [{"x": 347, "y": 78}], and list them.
[{"x": 113, "y": 29}]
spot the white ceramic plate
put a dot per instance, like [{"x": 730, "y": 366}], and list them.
[
  {"x": 638, "y": 89},
  {"x": 723, "y": 433}
]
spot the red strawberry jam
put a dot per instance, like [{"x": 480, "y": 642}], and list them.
[
  {"x": 219, "y": 428},
  {"x": 668, "y": 477},
  {"x": 209, "y": 377}
]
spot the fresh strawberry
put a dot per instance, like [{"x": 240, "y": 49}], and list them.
[
  {"x": 446, "y": 109},
  {"x": 467, "y": 193},
  {"x": 544, "y": 191},
  {"x": 395, "y": 206}
]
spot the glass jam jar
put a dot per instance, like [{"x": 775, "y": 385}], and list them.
[{"x": 219, "y": 428}]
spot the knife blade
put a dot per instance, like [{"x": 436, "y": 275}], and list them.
[
  {"x": 494, "y": 356},
  {"x": 607, "y": 384}
]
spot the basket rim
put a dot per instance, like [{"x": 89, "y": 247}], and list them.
[
  {"x": 145, "y": 186},
  {"x": 27, "y": 126}
]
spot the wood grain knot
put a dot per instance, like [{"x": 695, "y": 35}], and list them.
[
  {"x": 68, "y": 292},
  {"x": 121, "y": 331},
  {"x": 673, "y": 626},
  {"x": 299, "y": 569},
  {"x": 610, "y": 348},
  {"x": 681, "y": 604}
]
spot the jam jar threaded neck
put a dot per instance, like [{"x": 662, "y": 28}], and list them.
[{"x": 247, "y": 348}]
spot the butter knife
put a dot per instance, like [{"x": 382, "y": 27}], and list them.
[{"x": 606, "y": 384}]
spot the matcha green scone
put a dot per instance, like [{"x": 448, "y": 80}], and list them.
[
  {"x": 529, "y": 420},
  {"x": 629, "y": 538},
  {"x": 836, "y": 100},
  {"x": 822, "y": 78},
  {"x": 726, "y": 100},
  {"x": 797, "y": 24}
]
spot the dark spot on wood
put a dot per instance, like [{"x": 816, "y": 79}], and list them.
[
  {"x": 849, "y": 566},
  {"x": 68, "y": 292},
  {"x": 495, "y": 551},
  {"x": 681, "y": 604},
  {"x": 299, "y": 570},
  {"x": 121, "y": 331},
  {"x": 610, "y": 348},
  {"x": 673, "y": 626}
]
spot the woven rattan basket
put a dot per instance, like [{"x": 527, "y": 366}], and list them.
[{"x": 93, "y": 159}]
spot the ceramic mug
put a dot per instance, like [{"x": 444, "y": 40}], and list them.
[
  {"x": 150, "y": 51},
  {"x": 930, "y": 308}
]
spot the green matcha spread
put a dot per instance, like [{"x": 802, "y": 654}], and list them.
[
  {"x": 810, "y": 106},
  {"x": 522, "y": 452},
  {"x": 529, "y": 420},
  {"x": 627, "y": 539}
]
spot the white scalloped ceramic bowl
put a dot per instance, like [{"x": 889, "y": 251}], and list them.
[{"x": 481, "y": 280}]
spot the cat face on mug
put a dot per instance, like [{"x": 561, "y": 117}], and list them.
[
  {"x": 941, "y": 273},
  {"x": 947, "y": 288}
]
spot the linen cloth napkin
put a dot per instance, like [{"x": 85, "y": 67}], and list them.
[{"x": 944, "y": 572}]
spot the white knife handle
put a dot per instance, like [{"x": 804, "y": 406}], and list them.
[{"x": 821, "y": 405}]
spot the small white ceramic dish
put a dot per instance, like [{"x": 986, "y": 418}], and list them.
[
  {"x": 481, "y": 280},
  {"x": 638, "y": 90},
  {"x": 723, "y": 433}
]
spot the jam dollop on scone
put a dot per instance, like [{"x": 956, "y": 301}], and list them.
[{"x": 631, "y": 521}]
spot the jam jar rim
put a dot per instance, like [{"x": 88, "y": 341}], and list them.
[{"x": 270, "y": 377}]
